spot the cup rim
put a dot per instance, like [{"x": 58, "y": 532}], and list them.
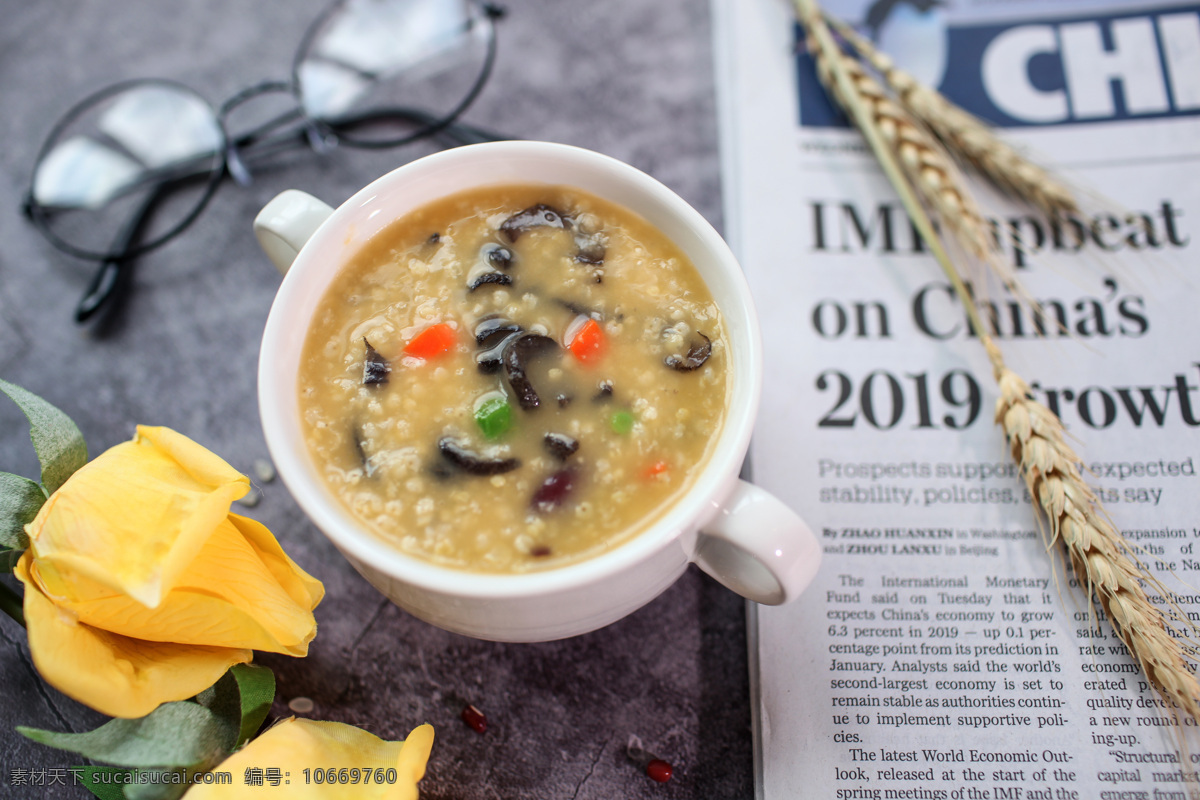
[{"x": 305, "y": 283}]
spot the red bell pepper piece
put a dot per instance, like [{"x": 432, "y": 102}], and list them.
[
  {"x": 588, "y": 343},
  {"x": 434, "y": 341}
]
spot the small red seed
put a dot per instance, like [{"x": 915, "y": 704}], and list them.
[
  {"x": 475, "y": 719},
  {"x": 659, "y": 770}
]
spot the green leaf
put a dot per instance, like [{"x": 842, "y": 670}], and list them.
[
  {"x": 182, "y": 734},
  {"x": 103, "y": 781},
  {"x": 222, "y": 700},
  {"x": 243, "y": 697},
  {"x": 159, "y": 784},
  {"x": 57, "y": 440},
  {"x": 122, "y": 783},
  {"x": 257, "y": 690},
  {"x": 20, "y": 499}
]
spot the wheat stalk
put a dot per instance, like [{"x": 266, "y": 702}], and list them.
[
  {"x": 1098, "y": 552},
  {"x": 965, "y": 135}
]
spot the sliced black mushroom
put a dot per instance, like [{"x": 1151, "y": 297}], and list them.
[
  {"x": 560, "y": 445},
  {"x": 554, "y": 490},
  {"x": 518, "y": 351},
  {"x": 492, "y": 334},
  {"x": 492, "y": 268},
  {"x": 496, "y": 255},
  {"x": 697, "y": 354},
  {"x": 538, "y": 216},
  {"x": 375, "y": 366},
  {"x": 472, "y": 462},
  {"x": 491, "y": 330},
  {"x": 491, "y": 359},
  {"x": 590, "y": 249},
  {"x": 489, "y": 277}
]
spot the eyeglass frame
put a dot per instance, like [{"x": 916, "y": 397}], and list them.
[{"x": 319, "y": 134}]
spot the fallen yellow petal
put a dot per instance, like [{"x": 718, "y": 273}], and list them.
[
  {"x": 295, "y": 747},
  {"x": 116, "y": 675},
  {"x": 134, "y": 517}
]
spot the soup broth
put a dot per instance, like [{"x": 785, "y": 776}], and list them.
[{"x": 514, "y": 378}]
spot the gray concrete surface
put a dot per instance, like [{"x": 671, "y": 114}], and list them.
[{"x": 629, "y": 78}]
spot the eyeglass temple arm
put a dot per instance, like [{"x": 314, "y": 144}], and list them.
[{"x": 114, "y": 272}]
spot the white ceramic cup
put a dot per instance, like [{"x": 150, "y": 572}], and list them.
[{"x": 742, "y": 536}]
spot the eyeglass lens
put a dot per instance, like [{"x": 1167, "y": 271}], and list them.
[
  {"x": 382, "y": 72},
  {"x": 131, "y": 166},
  {"x": 116, "y": 155}
]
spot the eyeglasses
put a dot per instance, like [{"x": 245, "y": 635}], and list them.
[{"x": 133, "y": 165}]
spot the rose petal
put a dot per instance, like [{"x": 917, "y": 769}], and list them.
[
  {"x": 134, "y": 517},
  {"x": 302, "y": 587},
  {"x": 227, "y": 598},
  {"x": 114, "y": 674},
  {"x": 294, "y": 745}
]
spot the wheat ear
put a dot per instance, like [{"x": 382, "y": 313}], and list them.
[
  {"x": 928, "y": 167},
  {"x": 965, "y": 135},
  {"x": 1098, "y": 552}
]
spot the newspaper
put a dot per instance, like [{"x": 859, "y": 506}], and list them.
[{"x": 942, "y": 651}]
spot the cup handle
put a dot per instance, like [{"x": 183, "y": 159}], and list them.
[
  {"x": 286, "y": 223},
  {"x": 758, "y": 547}
]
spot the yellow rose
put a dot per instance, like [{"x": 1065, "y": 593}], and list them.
[
  {"x": 141, "y": 587},
  {"x": 282, "y": 761}
]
